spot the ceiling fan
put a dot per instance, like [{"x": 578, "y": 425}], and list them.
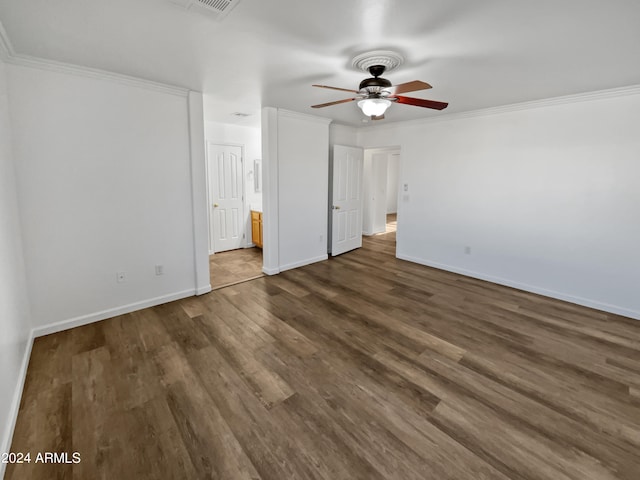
[{"x": 376, "y": 94}]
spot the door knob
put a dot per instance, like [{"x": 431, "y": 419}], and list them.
[
  {"x": 215, "y": 205},
  {"x": 335, "y": 207}
]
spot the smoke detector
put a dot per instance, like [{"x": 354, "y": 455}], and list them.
[
  {"x": 215, "y": 8},
  {"x": 386, "y": 58}
]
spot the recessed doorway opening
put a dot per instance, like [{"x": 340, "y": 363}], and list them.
[
  {"x": 235, "y": 266},
  {"x": 235, "y": 210},
  {"x": 381, "y": 191}
]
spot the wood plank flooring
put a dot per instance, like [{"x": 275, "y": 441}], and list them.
[
  {"x": 235, "y": 266},
  {"x": 392, "y": 222},
  {"x": 361, "y": 367}
]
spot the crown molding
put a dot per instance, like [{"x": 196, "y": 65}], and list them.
[
  {"x": 335, "y": 125},
  {"x": 304, "y": 116},
  {"x": 68, "y": 68},
  {"x": 9, "y": 55},
  {"x": 517, "y": 107}
]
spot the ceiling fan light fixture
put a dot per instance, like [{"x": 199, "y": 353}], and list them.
[{"x": 374, "y": 107}]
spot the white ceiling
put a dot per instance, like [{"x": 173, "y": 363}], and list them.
[{"x": 475, "y": 53}]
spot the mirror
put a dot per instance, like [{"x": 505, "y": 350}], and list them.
[{"x": 257, "y": 175}]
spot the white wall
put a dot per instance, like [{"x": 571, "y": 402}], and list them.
[
  {"x": 343, "y": 135},
  {"x": 393, "y": 169},
  {"x": 546, "y": 197},
  {"x": 104, "y": 185},
  {"x": 296, "y": 166},
  {"x": 303, "y": 169},
  {"x": 367, "y": 192},
  {"x": 270, "y": 204},
  {"x": 250, "y": 139},
  {"x": 374, "y": 192},
  {"x": 199, "y": 193},
  {"x": 15, "y": 324}
]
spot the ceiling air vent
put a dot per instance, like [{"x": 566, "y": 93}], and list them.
[
  {"x": 215, "y": 8},
  {"x": 219, "y": 6}
]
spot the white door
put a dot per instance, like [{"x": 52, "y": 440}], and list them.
[
  {"x": 226, "y": 197},
  {"x": 346, "y": 208},
  {"x": 378, "y": 201}
]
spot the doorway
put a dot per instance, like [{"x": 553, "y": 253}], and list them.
[
  {"x": 235, "y": 266},
  {"x": 345, "y": 196},
  {"x": 226, "y": 197},
  {"x": 381, "y": 190},
  {"x": 392, "y": 223},
  {"x": 233, "y": 257}
]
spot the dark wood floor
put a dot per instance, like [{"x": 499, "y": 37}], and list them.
[
  {"x": 361, "y": 367},
  {"x": 235, "y": 266}
]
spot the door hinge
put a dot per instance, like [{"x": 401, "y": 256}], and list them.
[{"x": 243, "y": 236}]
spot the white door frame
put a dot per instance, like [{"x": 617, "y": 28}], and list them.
[
  {"x": 270, "y": 199},
  {"x": 197, "y": 162},
  {"x": 208, "y": 189}
]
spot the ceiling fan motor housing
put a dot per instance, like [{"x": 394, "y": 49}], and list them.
[{"x": 376, "y": 83}]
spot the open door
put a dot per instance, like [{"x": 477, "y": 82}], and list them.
[
  {"x": 226, "y": 194},
  {"x": 346, "y": 206}
]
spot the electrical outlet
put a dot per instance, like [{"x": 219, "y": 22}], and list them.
[
  {"x": 467, "y": 250},
  {"x": 121, "y": 277},
  {"x": 159, "y": 269}
]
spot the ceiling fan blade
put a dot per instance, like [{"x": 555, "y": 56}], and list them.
[
  {"x": 408, "y": 87},
  {"x": 419, "y": 102},
  {"x": 336, "y": 88},
  {"x": 333, "y": 103}
]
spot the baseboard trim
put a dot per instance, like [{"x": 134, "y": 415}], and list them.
[
  {"x": 302, "y": 263},
  {"x": 270, "y": 271},
  {"x": 112, "y": 312},
  {"x": 585, "y": 302},
  {"x": 7, "y": 438},
  {"x": 15, "y": 405}
]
